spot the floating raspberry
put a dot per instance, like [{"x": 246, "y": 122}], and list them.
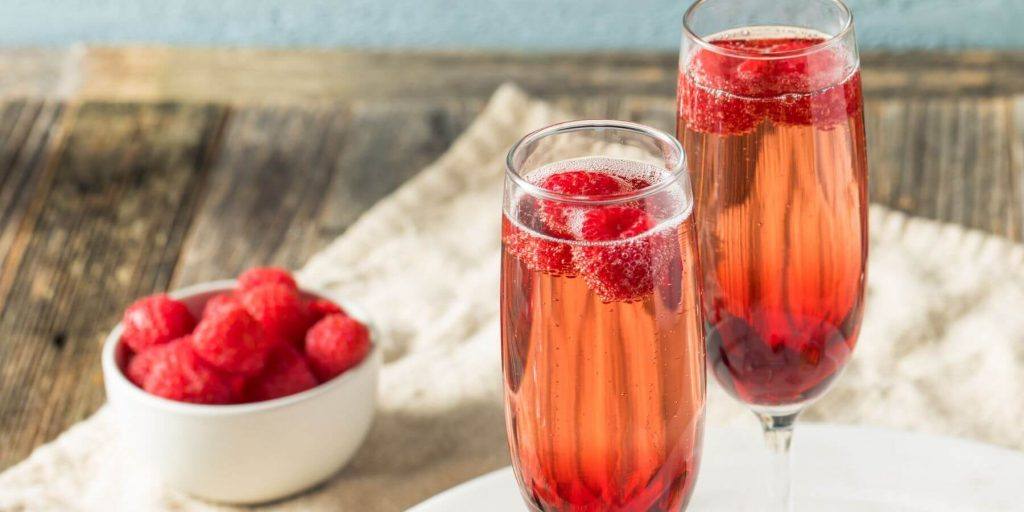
[
  {"x": 538, "y": 253},
  {"x": 278, "y": 308},
  {"x": 155, "y": 320},
  {"x": 825, "y": 107},
  {"x": 583, "y": 183},
  {"x": 316, "y": 309},
  {"x": 286, "y": 373},
  {"x": 556, "y": 215},
  {"x": 219, "y": 303},
  {"x": 614, "y": 223},
  {"x": 232, "y": 341},
  {"x": 708, "y": 110},
  {"x": 176, "y": 373},
  {"x": 257, "y": 276},
  {"x": 732, "y": 94},
  {"x": 335, "y": 344},
  {"x": 619, "y": 271}
]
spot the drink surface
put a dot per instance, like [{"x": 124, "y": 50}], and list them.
[
  {"x": 602, "y": 347},
  {"x": 778, "y": 154}
]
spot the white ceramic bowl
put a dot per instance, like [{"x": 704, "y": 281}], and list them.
[{"x": 245, "y": 453}]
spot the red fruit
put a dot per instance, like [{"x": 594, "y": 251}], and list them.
[
  {"x": 257, "y": 276},
  {"x": 335, "y": 344},
  {"x": 316, "y": 309},
  {"x": 708, "y": 110},
  {"x": 614, "y": 223},
  {"x": 232, "y": 341},
  {"x": 619, "y": 272},
  {"x": 140, "y": 364},
  {"x": 286, "y": 373},
  {"x": 155, "y": 320},
  {"x": 556, "y": 215},
  {"x": 622, "y": 270},
  {"x": 583, "y": 183},
  {"x": 278, "y": 309},
  {"x": 732, "y": 94},
  {"x": 219, "y": 303},
  {"x": 538, "y": 253},
  {"x": 176, "y": 373}
]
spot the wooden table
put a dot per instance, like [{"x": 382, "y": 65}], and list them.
[{"x": 129, "y": 171}]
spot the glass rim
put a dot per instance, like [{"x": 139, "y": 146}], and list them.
[
  {"x": 675, "y": 172},
  {"x": 832, "y": 40}
]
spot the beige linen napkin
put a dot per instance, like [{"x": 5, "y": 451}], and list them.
[{"x": 942, "y": 348}]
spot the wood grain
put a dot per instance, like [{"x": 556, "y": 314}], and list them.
[
  {"x": 30, "y": 132},
  {"x": 239, "y": 75},
  {"x": 110, "y": 230},
  {"x": 288, "y": 181}
]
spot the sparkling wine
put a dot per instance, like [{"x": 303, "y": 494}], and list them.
[
  {"x": 603, "y": 350},
  {"x": 777, "y": 150}
]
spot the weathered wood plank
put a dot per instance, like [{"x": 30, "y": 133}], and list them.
[
  {"x": 29, "y": 134},
  {"x": 390, "y": 142},
  {"x": 1016, "y": 139},
  {"x": 122, "y": 196},
  {"x": 986, "y": 197},
  {"x": 287, "y": 76},
  {"x": 290, "y": 180},
  {"x": 885, "y": 123},
  {"x": 237, "y": 75},
  {"x": 1010, "y": 180},
  {"x": 940, "y": 159},
  {"x": 267, "y": 182}
]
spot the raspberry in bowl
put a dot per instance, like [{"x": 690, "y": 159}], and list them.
[{"x": 243, "y": 391}]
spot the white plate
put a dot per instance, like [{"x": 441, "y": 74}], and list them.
[{"x": 836, "y": 469}]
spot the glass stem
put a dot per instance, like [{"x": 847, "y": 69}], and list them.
[{"x": 778, "y": 433}]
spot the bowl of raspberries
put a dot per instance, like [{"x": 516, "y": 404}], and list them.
[{"x": 243, "y": 391}]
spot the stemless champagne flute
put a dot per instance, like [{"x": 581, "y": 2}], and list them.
[
  {"x": 770, "y": 114},
  {"x": 602, "y": 341}
]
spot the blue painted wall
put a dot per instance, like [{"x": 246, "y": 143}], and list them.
[{"x": 462, "y": 24}]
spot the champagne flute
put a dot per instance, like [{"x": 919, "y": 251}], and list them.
[
  {"x": 771, "y": 117},
  {"x": 602, "y": 340}
]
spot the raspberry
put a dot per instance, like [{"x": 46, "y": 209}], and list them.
[
  {"x": 583, "y": 183},
  {"x": 708, "y": 110},
  {"x": 219, "y": 303},
  {"x": 620, "y": 271},
  {"x": 775, "y": 357},
  {"x": 279, "y": 310},
  {"x": 286, "y": 373},
  {"x": 176, "y": 373},
  {"x": 257, "y": 276},
  {"x": 316, "y": 309},
  {"x": 336, "y": 344},
  {"x": 614, "y": 223},
  {"x": 729, "y": 94},
  {"x": 232, "y": 341},
  {"x": 155, "y": 320},
  {"x": 538, "y": 253},
  {"x": 576, "y": 183},
  {"x": 140, "y": 364}
]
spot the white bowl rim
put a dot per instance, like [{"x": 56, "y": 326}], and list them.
[{"x": 113, "y": 371}]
